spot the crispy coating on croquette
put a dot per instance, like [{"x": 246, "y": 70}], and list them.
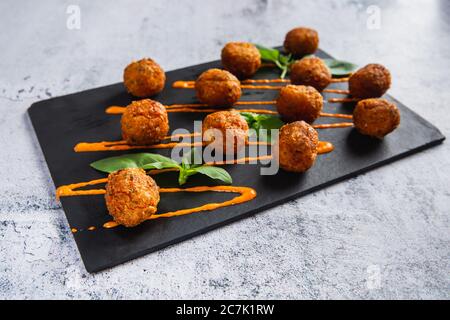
[
  {"x": 217, "y": 87},
  {"x": 144, "y": 78},
  {"x": 311, "y": 72},
  {"x": 376, "y": 117},
  {"x": 225, "y": 122},
  {"x": 371, "y": 81},
  {"x": 144, "y": 122},
  {"x": 301, "y": 41},
  {"x": 297, "y": 146},
  {"x": 299, "y": 103},
  {"x": 131, "y": 196},
  {"x": 241, "y": 59}
]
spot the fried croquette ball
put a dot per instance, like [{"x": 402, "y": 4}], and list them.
[
  {"x": 144, "y": 122},
  {"x": 297, "y": 146},
  {"x": 217, "y": 87},
  {"x": 371, "y": 81},
  {"x": 216, "y": 126},
  {"x": 131, "y": 196},
  {"x": 301, "y": 41},
  {"x": 241, "y": 58},
  {"x": 299, "y": 103},
  {"x": 144, "y": 78},
  {"x": 311, "y": 72},
  {"x": 376, "y": 117}
]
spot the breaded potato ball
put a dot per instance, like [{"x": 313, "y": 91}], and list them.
[
  {"x": 311, "y": 72},
  {"x": 144, "y": 122},
  {"x": 376, "y": 117},
  {"x": 225, "y": 123},
  {"x": 299, "y": 103},
  {"x": 297, "y": 146},
  {"x": 241, "y": 58},
  {"x": 371, "y": 81},
  {"x": 144, "y": 78},
  {"x": 301, "y": 41},
  {"x": 217, "y": 87},
  {"x": 131, "y": 196}
]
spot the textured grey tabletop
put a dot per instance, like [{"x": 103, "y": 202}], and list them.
[{"x": 385, "y": 234}]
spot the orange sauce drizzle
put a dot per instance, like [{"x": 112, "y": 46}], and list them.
[
  {"x": 188, "y": 107},
  {"x": 123, "y": 145},
  {"x": 190, "y": 84},
  {"x": 337, "y": 80},
  {"x": 342, "y": 100},
  {"x": 277, "y": 80},
  {"x": 333, "y": 125},
  {"x": 324, "y": 147},
  {"x": 245, "y": 194},
  {"x": 336, "y": 115},
  {"x": 340, "y": 91}
]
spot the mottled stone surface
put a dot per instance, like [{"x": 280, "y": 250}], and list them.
[{"x": 393, "y": 221}]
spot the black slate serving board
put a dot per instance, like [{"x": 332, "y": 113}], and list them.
[{"x": 62, "y": 122}]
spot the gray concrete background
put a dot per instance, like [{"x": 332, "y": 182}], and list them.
[{"x": 391, "y": 224}]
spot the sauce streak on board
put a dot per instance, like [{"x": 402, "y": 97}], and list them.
[
  {"x": 246, "y": 194},
  {"x": 343, "y": 100},
  {"x": 191, "y": 85},
  {"x": 123, "y": 145},
  {"x": 324, "y": 147},
  {"x": 333, "y": 125},
  {"x": 188, "y": 107},
  {"x": 198, "y": 107}
]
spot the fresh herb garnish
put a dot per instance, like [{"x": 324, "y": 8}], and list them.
[
  {"x": 262, "y": 121},
  {"x": 148, "y": 161},
  {"x": 339, "y": 68},
  {"x": 282, "y": 61}
]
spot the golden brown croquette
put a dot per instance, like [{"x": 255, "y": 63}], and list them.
[
  {"x": 131, "y": 196},
  {"x": 310, "y": 72},
  {"x": 371, "y": 81},
  {"x": 229, "y": 123},
  {"x": 241, "y": 59},
  {"x": 376, "y": 117},
  {"x": 144, "y": 78},
  {"x": 144, "y": 122},
  {"x": 217, "y": 87},
  {"x": 297, "y": 146},
  {"x": 299, "y": 103},
  {"x": 301, "y": 41}
]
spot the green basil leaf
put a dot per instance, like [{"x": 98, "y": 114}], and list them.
[
  {"x": 160, "y": 165},
  {"x": 189, "y": 159},
  {"x": 268, "y": 53},
  {"x": 270, "y": 122},
  {"x": 135, "y": 160},
  {"x": 340, "y": 68},
  {"x": 262, "y": 121},
  {"x": 249, "y": 117},
  {"x": 215, "y": 173}
]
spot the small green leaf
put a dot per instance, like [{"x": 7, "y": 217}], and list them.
[
  {"x": 249, "y": 117},
  {"x": 215, "y": 173},
  {"x": 340, "y": 68},
  {"x": 262, "y": 121},
  {"x": 273, "y": 55},
  {"x": 268, "y": 53},
  {"x": 191, "y": 159},
  {"x": 135, "y": 160}
]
